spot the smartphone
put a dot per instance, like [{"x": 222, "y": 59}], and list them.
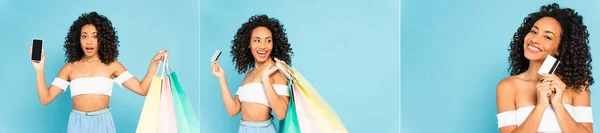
[
  {"x": 36, "y": 52},
  {"x": 215, "y": 56},
  {"x": 549, "y": 65}
]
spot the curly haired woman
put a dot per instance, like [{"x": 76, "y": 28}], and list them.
[
  {"x": 92, "y": 68},
  {"x": 558, "y": 102},
  {"x": 254, "y": 48}
]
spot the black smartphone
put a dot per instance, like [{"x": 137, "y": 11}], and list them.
[{"x": 36, "y": 52}]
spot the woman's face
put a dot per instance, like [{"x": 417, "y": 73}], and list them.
[
  {"x": 543, "y": 39},
  {"x": 261, "y": 43},
  {"x": 89, "y": 40}
]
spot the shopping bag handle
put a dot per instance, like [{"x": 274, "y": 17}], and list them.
[
  {"x": 161, "y": 65},
  {"x": 284, "y": 69}
]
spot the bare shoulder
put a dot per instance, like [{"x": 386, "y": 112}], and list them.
[
  {"x": 507, "y": 84},
  {"x": 248, "y": 77},
  {"x": 116, "y": 68},
  {"x": 65, "y": 71},
  {"x": 581, "y": 97},
  {"x": 278, "y": 78}
]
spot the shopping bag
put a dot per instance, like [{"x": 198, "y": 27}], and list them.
[
  {"x": 187, "y": 121},
  {"x": 290, "y": 123},
  {"x": 148, "y": 122},
  {"x": 327, "y": 120},
  {"x": 305, "y": 119},
  {"x": 167, "y": 122}
]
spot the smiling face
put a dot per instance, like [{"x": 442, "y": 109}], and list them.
[
  {"x": 543, "y": 39},
  {"x": 89, "y": 40},
  {"x": 261, "y": 44}
]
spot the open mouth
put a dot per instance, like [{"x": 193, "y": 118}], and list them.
[
  {"x": 262, "y": 53},
  {"x": 533, "y": 48},
  {"x": 89, "y": 49}
]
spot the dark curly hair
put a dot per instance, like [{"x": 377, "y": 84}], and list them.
[
  {"x": 108, "y": 41},
  {"x": 242, "y": 55},
  {"x": 575, "y": 68}
]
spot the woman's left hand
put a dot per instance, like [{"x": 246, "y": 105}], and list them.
[
  {"x": 269, "y": 70},
  {"x": 558, "y": 86},
  {"x": 159, "y": 57}
]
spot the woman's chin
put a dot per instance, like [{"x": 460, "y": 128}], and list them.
[
  {"x": 535, "y": 57},
  {"x": 89, "y": 54}
]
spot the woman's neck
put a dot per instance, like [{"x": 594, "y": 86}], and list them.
[
  {"x": 93, "y": 58},
  {"x": 532, "y": 71},
  {"x": 262, "y": 64}
]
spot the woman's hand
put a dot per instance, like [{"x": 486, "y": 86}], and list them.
[
  {"x": 160, "y": 56},
  {"x": 217, "y": 70},
  {"x": 38, "y": 65},
  {"x": 269, "y": 70},
  {"x": 557, "y": 86},
  {"x": 543, "y": 93}
]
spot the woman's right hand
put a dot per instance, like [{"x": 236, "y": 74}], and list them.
[
  {"x": 217, "y": 70},
  {"x": 544, "y": 92},
  {"x": 38, "y": 65}
]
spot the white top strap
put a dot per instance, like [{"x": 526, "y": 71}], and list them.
[
  {"x": 583, "y": 114},
  {"x": 123, "y": 77},
  {"x": 61, "y": 83},
  {"x": 281, "y": 89},
  {"x": 507, "y": 118}
]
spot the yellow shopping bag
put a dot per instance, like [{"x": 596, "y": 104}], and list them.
[
  {"x": 148, "y": 122},
  {"x": 149, "y": 118},
  {"x": 323, "y": 114}
]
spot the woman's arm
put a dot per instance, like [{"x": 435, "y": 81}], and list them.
[
  {"x": 233, "y": 105},
  {"x": 278, "y": 103},
  {"x": 133, "y": 84},
  {"x": 48, "y": 94},
  {"x": 566, "y": 121},
  {"x": 505, "y": 93}
]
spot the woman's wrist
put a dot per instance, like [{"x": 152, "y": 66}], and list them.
[
  {"x": 266, "y": 80},
  {"x": 221, "y": 78},
  {"x": 40, "y": 71},
  {"x": 557, "y": 105}
]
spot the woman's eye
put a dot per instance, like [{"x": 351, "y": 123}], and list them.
[
  {"x": 269, "y": 41},
  {"x": 84, "y": 37},
  {"x": 256, "y": 40},
  {"x": 547, "y": 37},
  {"x": 534, "y": 32}
]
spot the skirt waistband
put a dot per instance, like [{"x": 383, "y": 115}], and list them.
[
  {"x": 98, "y": 112},
  {"x": 257, "y": 123}
]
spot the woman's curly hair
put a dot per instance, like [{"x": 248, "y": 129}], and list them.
[
  {"x": 574, "y": 51},
  {"x": 242, "y": 55},
  {"x": 108, "y": 41}
]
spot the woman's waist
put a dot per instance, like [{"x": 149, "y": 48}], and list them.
[
  {"x": 255, "y": 113},
  {"x": 88, "y": 102},
  {"x": 91, "y": 113},
  {"x": 257, "y": 123}
]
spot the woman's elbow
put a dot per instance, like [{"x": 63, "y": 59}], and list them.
[
  {"x": 281, "y": 116},
  {"x": 44, "y": 102},
  {"x": 232, "y": 114},
  {"x": 143, "y": 94}
]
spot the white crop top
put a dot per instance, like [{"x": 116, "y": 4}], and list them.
[
  {"x": 91, "y": 85},
  {"x": 549, "y": 123},
  {"x": 255, "y": 92}
]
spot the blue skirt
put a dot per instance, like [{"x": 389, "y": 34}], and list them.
[
  {"x": 257, "y": 127},
  {"x": 91, "y": 122}
]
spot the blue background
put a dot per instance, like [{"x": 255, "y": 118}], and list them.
[
  {"x": 143, "y": 26},
  {"x": 454, "y": 53},
  {"x": 348, "y": 50}
]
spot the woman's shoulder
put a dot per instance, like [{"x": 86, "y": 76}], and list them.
[{"x": 508, "y": 83}]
